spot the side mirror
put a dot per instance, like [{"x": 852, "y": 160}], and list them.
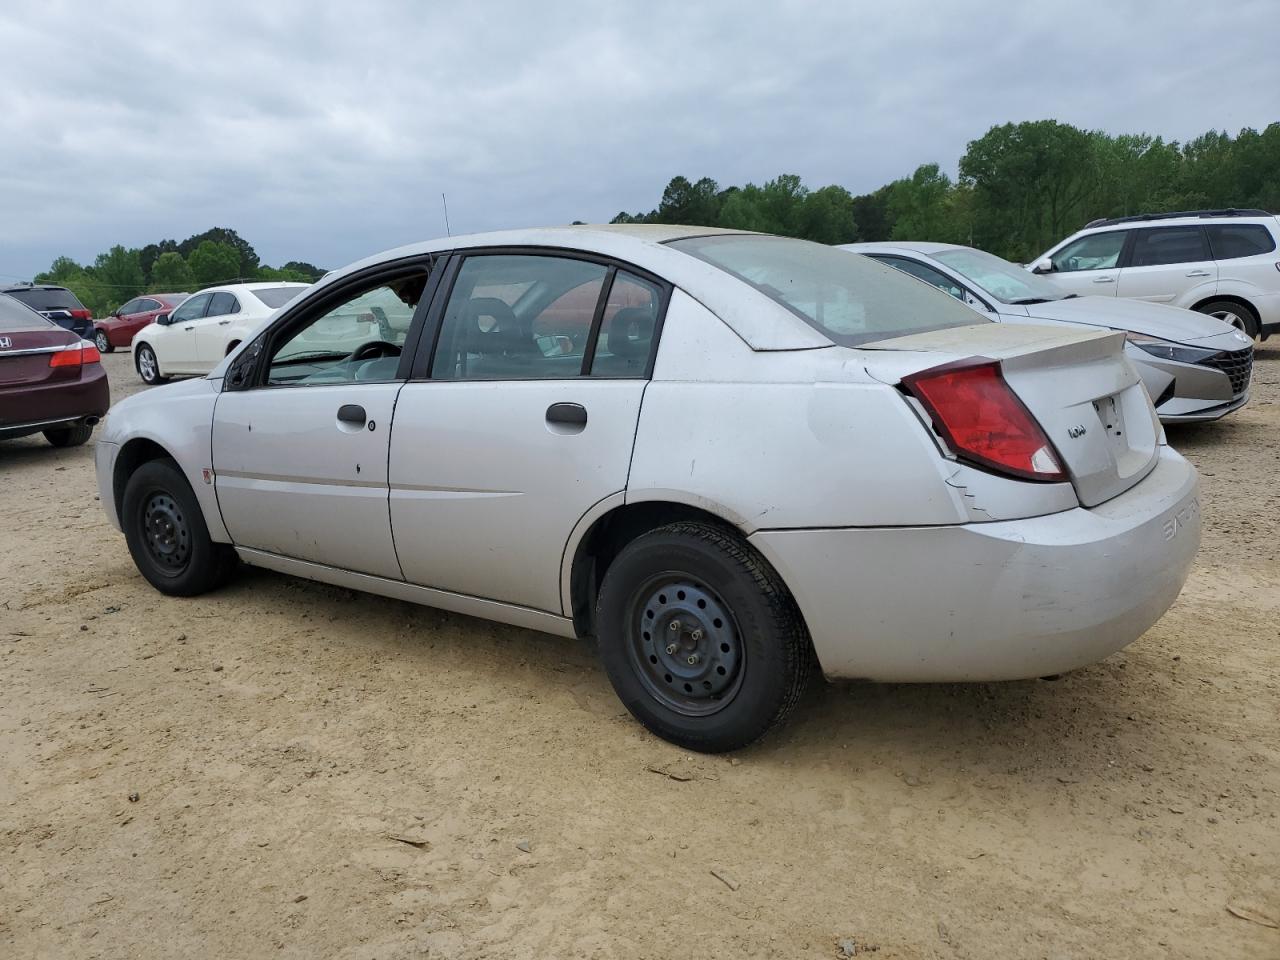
[
  {"x": 1043, "y": 265},
  {"x": 240, "y": 375},
  {"x": 163, "y": 319}
]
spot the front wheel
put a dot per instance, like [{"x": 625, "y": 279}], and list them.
[
  {"x": 148, "y": 366},
  {"x": 102, "y": 342},
  {"x": 1228, "y": 311},
  {"x": 167, "y": 535},
  {"x": 700, "y": 638}
]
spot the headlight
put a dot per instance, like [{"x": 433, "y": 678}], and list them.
[{"x": 1168, "y": 350}]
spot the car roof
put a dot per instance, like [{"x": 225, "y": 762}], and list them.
[
  {"x": 19, "y": 287},
  {"x": 255, "y": 285},
  {"x": 760, "y": 321},
  {"x": 911, "y": 246}
]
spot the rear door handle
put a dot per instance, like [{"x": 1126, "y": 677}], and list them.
[
  {"x": 1104, "y": 279},
  {"x": 571, "y": 414},
  {"x": 352, "y": 413},
  {"x": 1198, "y": 273},
  {"x": 223, "y": 323}
]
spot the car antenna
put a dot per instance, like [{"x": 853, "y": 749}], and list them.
[{"x": 445, "y": 203}]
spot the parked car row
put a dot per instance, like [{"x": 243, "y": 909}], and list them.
[{"x": 750, "y": 463}]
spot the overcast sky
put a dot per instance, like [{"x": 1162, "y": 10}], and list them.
[{"x": 326, "y": 132}]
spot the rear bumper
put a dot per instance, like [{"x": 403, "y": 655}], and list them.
[
  {"x": 30, "y": 409},
  {"x": 994, "y": 601}
]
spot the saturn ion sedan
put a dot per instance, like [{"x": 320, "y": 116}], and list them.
[
  {"x": 1196, "y": 367},
  {"x": 750, "y": 455}
]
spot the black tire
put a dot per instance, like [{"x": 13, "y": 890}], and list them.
[
  {"x": 1236, "y": 314},
  {"x": 69, "y": 436},
  {"x": 102, "y": 341},
  {"x": 708, "y": 594},
  {"x": 148, "y": 367},
  {"x": 167, "y": 535}
]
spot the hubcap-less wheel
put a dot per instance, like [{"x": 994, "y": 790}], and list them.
[
  {"x": 166, "y": 533},
  {"x": 685, "y": 646},
  {"x": 103, "y": 344},
  {"x": 147, "y": 364}
]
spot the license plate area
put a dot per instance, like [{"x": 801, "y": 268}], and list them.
[{"x": 1111, "y": 416}]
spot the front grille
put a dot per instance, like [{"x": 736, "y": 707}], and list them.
[{"x": 1237, "y": 365}]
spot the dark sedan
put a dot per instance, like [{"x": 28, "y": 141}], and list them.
[
  {"x": 51, "y": 380},
  {"x": 118, "y": 329}
]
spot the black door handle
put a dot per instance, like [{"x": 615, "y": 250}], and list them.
[
  {"x": 352, "y": 413},
  {"x": 573, "y": 414}
]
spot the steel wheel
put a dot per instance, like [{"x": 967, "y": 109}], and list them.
[
  {"x": 685, "y": 646},
  {"x": 166, "y": 533}
]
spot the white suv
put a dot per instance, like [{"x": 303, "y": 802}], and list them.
[{"x": 1221, "y": 262}]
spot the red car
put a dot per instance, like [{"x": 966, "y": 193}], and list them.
[
  {"x": 51, "y": 380},
  {"x": 118, "y": 329}
]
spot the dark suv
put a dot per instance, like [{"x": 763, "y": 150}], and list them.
[{"x": 54, "y": 303}]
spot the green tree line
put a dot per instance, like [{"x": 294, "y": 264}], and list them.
[
  {"x": 1021, "y": 187},
  {"x": 216, "y": 256}
]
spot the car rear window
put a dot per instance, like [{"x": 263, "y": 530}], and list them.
[
  {"x": 276, "y": 297},
  {"x": 15, "y": 318},
  {"x": 1232, "y": 240},
  {"x": 40, "y": 298},
  {"x": 850, "y": 298}
]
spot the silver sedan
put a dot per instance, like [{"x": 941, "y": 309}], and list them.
[{"x": 726, "y": 457}]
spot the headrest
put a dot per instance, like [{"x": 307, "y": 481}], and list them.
[
  {"x": 503, "y": 335},
  {"x": 630, "y": 332}
]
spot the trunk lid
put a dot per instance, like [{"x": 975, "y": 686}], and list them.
[
  {"x": 1087, "y": 397},
  {"x": 24, "y": 357}
]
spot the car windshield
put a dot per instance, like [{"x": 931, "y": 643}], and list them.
[
  {"x": 851, "y": 299},
  {"x": 1005, "y": 281},
  {"x": 15, "y": 318},
  {"x": 276, "y": 297},
  {"x": 39, "y": 298}
]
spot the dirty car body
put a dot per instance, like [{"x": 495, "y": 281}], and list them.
[{"x": 761, "y": 449}]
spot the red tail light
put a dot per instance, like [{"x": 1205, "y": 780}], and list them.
[
  {"x": 82, "y": 314},
  {"x": 983, "y": 421},
  {"x": 75, "y": 356}
]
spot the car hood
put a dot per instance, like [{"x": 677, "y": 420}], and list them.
[{"x": 1135, "y": 316}]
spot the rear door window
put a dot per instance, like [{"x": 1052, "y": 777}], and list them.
[
  {"x": 1157, "y": 246},
  {"x": 223, "y": 304},
  {"x": 935, "y": 278},
  {"x": 1230, "y": 241}
]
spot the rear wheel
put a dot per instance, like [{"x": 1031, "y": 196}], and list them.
[
  {"x": 167, "y": 535},
  {"x": 700, "y": 638},
  {"x": 103, "y": 342},
  {"x": 1236, "y": 314},
  {"x": 148, "y": 367},
  {"x": 69, "y": 436}
]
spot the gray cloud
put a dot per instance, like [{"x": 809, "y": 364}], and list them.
[{"x": 325, "y": 132}]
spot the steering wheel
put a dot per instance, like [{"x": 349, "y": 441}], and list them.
[{"x": 372, "y": 349}]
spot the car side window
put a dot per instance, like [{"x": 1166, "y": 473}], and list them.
[
  {"x": 628, "y": 326},
  {"x": 1098, "y": 251},
  {"x": 192, "y": 309},
  {"x": 146, "y": 305},
  {"x": 1160, "y": 245},
  {"x": 518, "y": 317},
  {"x": 358, "y": 339},
  {"x": 920, "y": 271},
  {"x": 222, "y": 304},
  {"x": 1231, "y": 241},
  {"x": 128, "y": 308}
]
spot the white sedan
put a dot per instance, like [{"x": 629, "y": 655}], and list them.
[
  {"x": 194, "y": 338},
  {"x": 725, "y": 456},
  {"x": 1196, "y": 367}
]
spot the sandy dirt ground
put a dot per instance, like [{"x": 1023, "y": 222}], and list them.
[{"x": 324, "y": 774}]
